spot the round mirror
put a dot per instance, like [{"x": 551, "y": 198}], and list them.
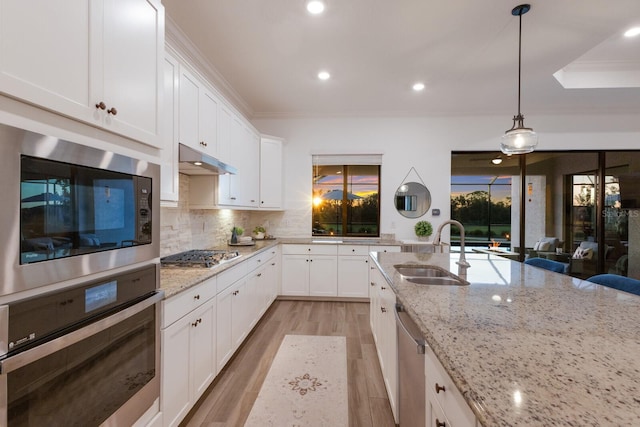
[{"x": 412, "y": 199}]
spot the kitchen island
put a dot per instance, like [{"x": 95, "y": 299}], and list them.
[{"x": 528, "y": 347}]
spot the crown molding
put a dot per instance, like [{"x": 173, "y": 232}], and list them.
[{"x": 178, "y": 41}]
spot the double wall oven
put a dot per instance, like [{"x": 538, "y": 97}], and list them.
[{"x": 79, "y": 298}]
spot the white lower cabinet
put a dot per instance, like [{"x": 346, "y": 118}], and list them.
[
  {"x": 310, "y": 270},
  {"x": 188, "y": 349},
  {"x": 383, "y": 326},
  {"x": 331, "y": 270},
  {"x": 445, "y": 405},
  {"x": 203, "y": 326},
  {"x": 353, "y": 271}
]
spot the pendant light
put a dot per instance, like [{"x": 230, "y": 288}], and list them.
[{"x": 519, "y": 139}]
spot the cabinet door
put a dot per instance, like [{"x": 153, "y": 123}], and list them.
[
  {"x": 388, "y": 343},
  {"x": 241, "y": 313},
  {"x": 224, "y": 341},
  {"x": 175, "y": 372},
  {"x": 228, "y": 185},
  {"x": 189, "y": 105},
  {"x": 169, "y": 131},
  {"x": 45, "y": 56},
  {"x": 208, "y": 122},
  {"x": 323, "y": 275},
  {"x": 270, "y": 173},
  {"x": 202, "y": 348},
  {"x": 295, "y": 275},
  {"x": 353, "y": 276},
  {"x": 133, "y": 46},
  {"x": 225, "y": 119},
  {"x": 251, "y": 177}
]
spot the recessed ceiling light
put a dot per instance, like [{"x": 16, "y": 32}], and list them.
[
  {"x": 324, "y": 75},
  {"x": 315, "y": 7},
  {"x": 632, "y": 32},
  {"x": 418, "y": 86}
]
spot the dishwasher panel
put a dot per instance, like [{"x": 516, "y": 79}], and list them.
[{"x": 411, "y": 380}]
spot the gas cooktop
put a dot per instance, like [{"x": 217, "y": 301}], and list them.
[{"x": 198, "y": 258}]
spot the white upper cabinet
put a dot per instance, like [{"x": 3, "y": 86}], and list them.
[
  {"x": 198, "y": 114},
  {"x": 96, "y": 61},
  {"x": 242, "y": 151},
  {"x": 169, "y": 132},
  {"x": 271, "y": 173}
]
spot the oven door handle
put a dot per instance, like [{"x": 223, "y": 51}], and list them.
[{"x": 29, "y": 356}]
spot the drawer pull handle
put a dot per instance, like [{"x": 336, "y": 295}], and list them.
[
  {"x": 112, "y": 111},
  {"x": 373, "y": 284},
  {"x": 259, "y": 274},
  {"x": 439, "y": 388},
  {"x": 384, "y": 310},
  {"x": 383, "y": 288},
  {"x": 204, "y": 144},
  {"x": 101, "y": 105},
  {"x": 196, "y": 297},
  {"x": 273, "y": 263},
  {"x": 440, "y": 423},
  {"x": 194, "y": 324},
  {"x": 236, "y": 292}
]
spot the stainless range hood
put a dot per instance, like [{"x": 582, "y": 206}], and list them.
[{"x": 193, "y": 162}]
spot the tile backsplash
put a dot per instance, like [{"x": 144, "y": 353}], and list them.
[{"x": 182, "y": 228}]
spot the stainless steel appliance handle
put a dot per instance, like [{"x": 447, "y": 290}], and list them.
[
  {"x": 420, "y": 343},
  {"x": 29, "y": 356}
]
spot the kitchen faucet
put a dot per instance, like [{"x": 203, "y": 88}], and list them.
[{"x": 436, "y": 240}]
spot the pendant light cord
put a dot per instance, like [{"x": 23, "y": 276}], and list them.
[{"x": 519, "y": 60}]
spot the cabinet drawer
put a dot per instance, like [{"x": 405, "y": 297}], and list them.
[
  {"x": 261, "y": 259},
  {"x": 450, "y": 399},
  {"x": 353, "y": 250},
  {"x": 321, "y": 249},
  {"x": 178, "y": 306},
  {"x": 385, "y": 248},
  {"x": 232, "y": 275}
]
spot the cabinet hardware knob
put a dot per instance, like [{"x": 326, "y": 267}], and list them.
[
  {"x": 204, "y": 144},
  {"x": 262, "y": 202},
  {"x": 196, "y": 322},
  {"x": 112, "y": 111},
  {"x": 232, "y": 198},
  {"x": 273, "y": 263},
  {"x": 366, "y": 261},
  {"x": 196, "y": 297},
  {"x": 236, "y": 292},
  {"x": 252, "y": 201},
  {"x": 440, "y": 423},
  {"x": 259, "y": 274},
  {"x": 383, "y": 288},
  {"x": 439, "y": 388},
  {"x": 372, "y": 267},
  {"x": 384, "y": 310},
  {"x": 101, "y": 105},
  {"x": 353, "y": 250},
  {"x": 373, "y": 284}
]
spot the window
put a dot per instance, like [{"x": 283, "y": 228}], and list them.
[
  {"x": 483, "y": 204},
  {"x": 585, "y": 200},
  {"x": 345, "y": 198}
]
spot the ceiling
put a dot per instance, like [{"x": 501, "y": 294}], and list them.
[{"x": 265, "y": 55}]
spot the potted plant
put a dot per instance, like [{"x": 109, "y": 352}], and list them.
[
  {"x": 258, "y": 232},
  {"x": 235, "y": 232},
  {"x": 423, "y": 229}
]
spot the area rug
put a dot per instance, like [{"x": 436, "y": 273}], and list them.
[{"x": 306, "y": 385}]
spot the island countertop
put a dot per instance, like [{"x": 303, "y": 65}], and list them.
[{"x": 528, "y": 347}]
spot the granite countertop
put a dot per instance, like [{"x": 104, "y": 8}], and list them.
[
  {"x": 528, "y": 347},
  {"x": 340, "y": 241},
  {"x": 174, "y": 280}
]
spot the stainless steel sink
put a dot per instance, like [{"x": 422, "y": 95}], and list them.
[{"x": 428, "y": 275}]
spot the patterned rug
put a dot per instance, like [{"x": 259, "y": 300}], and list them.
[{"x": 305, "y": 386}]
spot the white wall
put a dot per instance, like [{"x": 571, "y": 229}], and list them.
[{"x": 424, "y": 143}]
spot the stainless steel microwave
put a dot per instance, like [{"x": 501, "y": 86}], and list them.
[{"x": 70, "y": 210}]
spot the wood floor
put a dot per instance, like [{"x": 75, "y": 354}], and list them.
[{"x": 228, "y": 401}]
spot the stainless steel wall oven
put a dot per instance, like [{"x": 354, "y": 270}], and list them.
[
  {"x": 82, "y": 356},
  {"x": 70, "y": 210}
]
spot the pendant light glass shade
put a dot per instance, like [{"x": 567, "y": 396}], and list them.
[{"x": 519, "y": 139}]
